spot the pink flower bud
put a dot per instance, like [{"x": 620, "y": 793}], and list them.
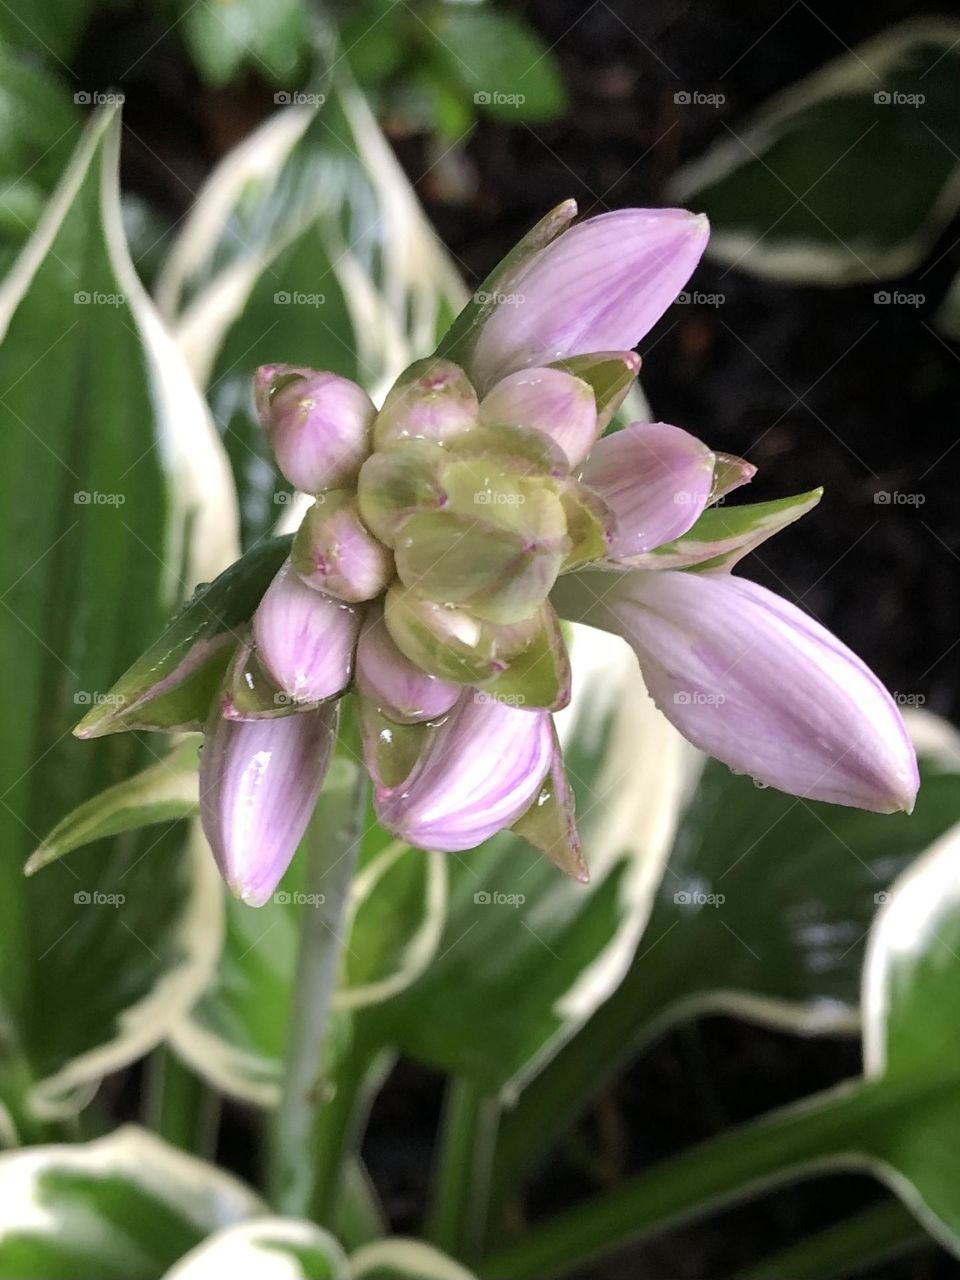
[
  {"x": 305, "y": 639},
  {"x": 334, "y": 551},
  {"x": 547, "y": 400},
  {"x": 259, "y": 782},
  {"x": 390, "y": 680},
  {"x": 477, "y": 774},
  {"x": 319, "y": 425},
  {"x": 656, "y": 479}
]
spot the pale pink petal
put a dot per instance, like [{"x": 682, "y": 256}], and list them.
[
  {"x": 550, "y": 401},
  {"x": 259, "y": 782},
  {"x": 391, "y": 681},
  {"x": 754, "y": 681},
  {"x": 600, "y": 286},
  {"x": 656, "y": 479},
  {"x": 480, "y": 771},
  {"x": 304, "y": 638}
]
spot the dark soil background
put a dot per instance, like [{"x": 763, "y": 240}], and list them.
[{"x": 813, "y": 385}]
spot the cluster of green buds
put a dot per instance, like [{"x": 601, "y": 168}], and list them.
[{"x": 459, "y": 511}]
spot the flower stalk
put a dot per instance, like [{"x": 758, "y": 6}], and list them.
[{"x": 333, "y": 845}]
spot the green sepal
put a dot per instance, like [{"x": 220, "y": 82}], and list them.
[
  {"x": 724, "y": 535},
  {"x": 729, "y": 473},
  {"x": 461, "y": 338},
  {"x": 500, "y": 574},
  {"x": 397, "y": 482},
  {"x": 590, "y": 525},
  {"x": 172, "y": 686},
  {"x": 248, "y": 693},
  {"x": 508, "y": 446},
  {"x": 538, "y": 674},
  {"x": 390, "y": 749},
  {"x": 609, "y": 374},
  {"x": 550, "y": 825},
  {"x": 163, "y": 792}
]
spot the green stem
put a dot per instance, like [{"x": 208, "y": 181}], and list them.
[
  {"x": 339, "y": 1124},
  {"x": 824, "y": 1130},
  {"x": 468, "y": 1128},
  {"x": 180, "y": 1107},
  {"x": 333, "y": 844},
  {"x": 359, "y": 1217},
  {"x": 877, "y": 1235}
]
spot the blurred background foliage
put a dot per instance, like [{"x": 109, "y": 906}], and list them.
[{"x": 819, "y": 339}]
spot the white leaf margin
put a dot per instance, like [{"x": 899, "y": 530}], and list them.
[
  {"x": 422, "y": 944},
  {"x": 648, "y": 775},
  {"x": 797, "y": 262},
  {"x": 392, "y": 326},
  {"x": 411, "y": 1258},
  {"x": 183, "y": 1182},
  {"x": 204, "y": 502},
  {"x": 142, "y": 1026},
  {"x": 247, "y": 1251}
]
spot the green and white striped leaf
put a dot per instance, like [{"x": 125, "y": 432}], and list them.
[
  {"x": 399, "y": 1259},
  {"x": 265, "y": 1249},
  {"x": 307, "y": 246},
  {"x": 821, "y": 873},
  {"x": 163, "y": 792},
  {"x": 114, "y": 495},
  {"x": 814, "y": 189},
  {"x": 528, "y": 955},
  {"x": 41, "y": 127},
  {"x": 236, "y": 1034},
  {"x": 124, "y": 1207}
]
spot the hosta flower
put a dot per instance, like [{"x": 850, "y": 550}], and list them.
[{"x": 453, "y": 529}]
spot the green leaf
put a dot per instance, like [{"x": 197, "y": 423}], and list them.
[
  {"x": 722, "y": 536},
  {"x": 171, "y": 685},
  {"x": 163, "y": 792},
  {"x": 236, "y": 1034},
  {"x": 810, "y": 189},
  {"x": 125, "y": 1207},
  {"x": 498, "y": 60},
  {"x": 108, "y": 466},
  {"x": 224, "y": 36},
  {"x": 527, "y": 955},
  {"x": 307, "y": 244},
  {"x": 274, "y": 1248},
  {"x": 40, "y": 129},
  {"x": 820, "y": 872},
  {"x": 398, "y": 1259},
  {"x": 50, "y": 28}
]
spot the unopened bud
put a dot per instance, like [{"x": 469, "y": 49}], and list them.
[
  {"x": 334, "y": 551},
  {"x": 319, "y": 425},
  {"x": 432, "y": 401}
]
